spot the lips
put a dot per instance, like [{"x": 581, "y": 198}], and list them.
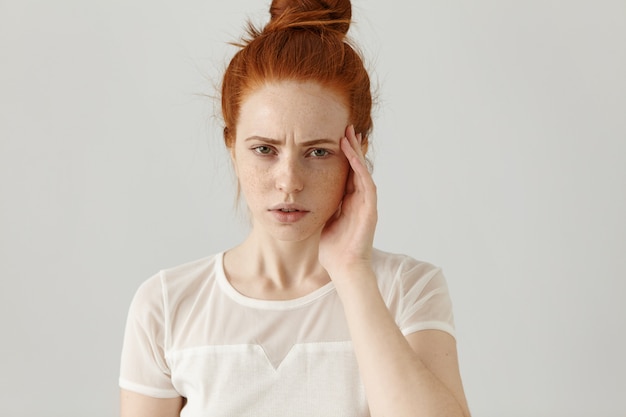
[
  {"x": 288, "y": 213},
  {"x": 288, "y": 208}
]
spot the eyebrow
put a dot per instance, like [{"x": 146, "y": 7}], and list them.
[{"x": 307, "y": 143}]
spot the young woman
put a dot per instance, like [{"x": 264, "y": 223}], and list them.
[{"x": 304, "y": 317}]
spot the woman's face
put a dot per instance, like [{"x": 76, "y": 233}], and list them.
[{"x": 287, "y": 158}]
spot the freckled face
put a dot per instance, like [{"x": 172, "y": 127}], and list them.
[{"x": 287, "y": 158}]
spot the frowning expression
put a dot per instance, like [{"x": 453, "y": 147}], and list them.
[{"x": 287, "y": 158}]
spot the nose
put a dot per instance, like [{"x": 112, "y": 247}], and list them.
[{"x": 289, "y": 175}]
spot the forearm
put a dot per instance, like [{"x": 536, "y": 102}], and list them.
[
  {"x": 396, "y": 381},
  {"x": 133, "y": 404}
]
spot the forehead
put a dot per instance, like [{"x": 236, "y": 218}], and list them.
[{"x": 282, "y": 109}]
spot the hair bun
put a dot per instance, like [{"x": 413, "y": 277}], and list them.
[{"x": 332, "y": 15}]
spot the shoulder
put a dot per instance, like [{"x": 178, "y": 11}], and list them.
[
  {"x": 399, "y": 274},
  {"x": 190, "y": 272},
  {"x": 177, "y": 282},
  {"x": 389, "y": 263},
  {"x": 416, "y": 292}
]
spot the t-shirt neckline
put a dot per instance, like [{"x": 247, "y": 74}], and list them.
[{"x": 244, "y": 300}]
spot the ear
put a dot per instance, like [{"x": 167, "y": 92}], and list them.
[{"x": 233, "y": 159}]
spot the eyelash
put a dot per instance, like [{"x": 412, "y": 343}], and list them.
[
  {"x": 264, "y": 150},
  {"x": 326, "y": 152},
  {"x": 258, "y": 149}
]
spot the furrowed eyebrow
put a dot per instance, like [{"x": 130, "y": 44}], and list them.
[
  {"x": 313, "y": 142},
  {"x": 262, "y": 139}
]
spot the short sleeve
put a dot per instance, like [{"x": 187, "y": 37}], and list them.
[
  {"x": 143, "y": 366},
  {"x": 420, "y": 299}
]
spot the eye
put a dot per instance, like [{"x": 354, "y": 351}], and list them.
[
  {"x": 319, "y": 153},
  {"x": 263, "y": 150}
]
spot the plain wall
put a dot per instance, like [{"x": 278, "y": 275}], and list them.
[{"x": 499, "y": 153}]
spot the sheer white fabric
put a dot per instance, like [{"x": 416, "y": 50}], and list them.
[{"x": 190, "y": 333}]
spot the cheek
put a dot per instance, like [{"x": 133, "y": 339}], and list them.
[
  {"x": 252, "y": 180},
  {"x": 332, "y": 183}
]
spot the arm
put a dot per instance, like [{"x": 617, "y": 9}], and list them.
[
  {"x": 415, "y": 375},
  {"x": 138, "y": 405},
  {"x": 143, "y": 362}
]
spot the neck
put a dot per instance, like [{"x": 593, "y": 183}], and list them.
[{"x": 264, "y": 267}]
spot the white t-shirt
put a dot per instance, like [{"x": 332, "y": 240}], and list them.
[{"x": 190, "y": 333}]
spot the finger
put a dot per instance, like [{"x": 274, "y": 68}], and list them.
[
  {"x": 360, "y": 181},
  {"x": 361, "y": 178},
  {"x": 350, "y": 180},
  {"x": 350, "y": 132},
  {"x": 354, "y": 139}
]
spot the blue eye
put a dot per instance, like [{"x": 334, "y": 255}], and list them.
[{"x": 319, "y": 153}]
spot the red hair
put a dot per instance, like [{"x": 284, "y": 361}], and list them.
[{"x": 305, "y": 40}]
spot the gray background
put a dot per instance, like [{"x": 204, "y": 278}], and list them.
[{"x": 499, "y": 152}]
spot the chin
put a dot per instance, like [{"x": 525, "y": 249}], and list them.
[
  {"x": 293, "y": 236},
  {"x": 291, "y": 233}
]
